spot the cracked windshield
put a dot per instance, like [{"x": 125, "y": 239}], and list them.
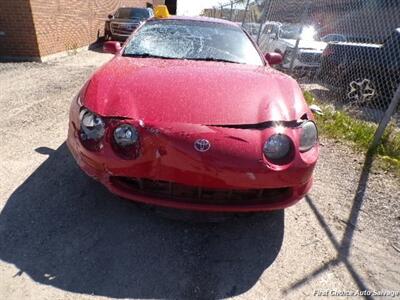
[{"x": 194, "y": 41}]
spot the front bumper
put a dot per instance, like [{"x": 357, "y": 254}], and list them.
[
  {"x": 169, "y": 172},
  {"x": 305, "y": 60},
  {"x": 119, "y": 37},
  {"x": 168, "y": 168},
  {"x": 120, "y": 31}
]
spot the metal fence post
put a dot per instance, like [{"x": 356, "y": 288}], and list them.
[
  {"x": 245, "y": 12},
  {"x": 231, "y": 12},
  {"x": 263, "y": 19},
  {"x": 296, "y": 47},
  {"x": 385, "y": 120}
]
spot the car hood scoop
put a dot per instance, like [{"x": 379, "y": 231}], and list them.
[{"x": 197, "y": 92}]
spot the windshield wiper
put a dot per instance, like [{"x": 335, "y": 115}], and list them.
[
  {"x": 214, "y": 59},
  {"x": 148, "y": 55}
]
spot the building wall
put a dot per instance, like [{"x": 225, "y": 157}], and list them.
[
  {"x": 69, "y": 24},
  {"x": 17, "y": 32},
  {"x": 37, "y": 28}
]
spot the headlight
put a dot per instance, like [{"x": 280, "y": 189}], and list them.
[
  {"x": 277, "y": 147},
  {"x": 309, "y": 136},
  {"x": 92, "y": 125},
  {"x": 125, "y": 135}
]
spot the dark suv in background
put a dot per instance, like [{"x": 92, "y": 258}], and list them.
[
  {"x": 363, "y": 72},
  {"x": 125, "y": 20}
]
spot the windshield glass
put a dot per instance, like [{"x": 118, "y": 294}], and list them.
[
  {"x": 291, "y": 31},
  {"x": 196, "y": 40},
  {"x": 132, "y": 13}
]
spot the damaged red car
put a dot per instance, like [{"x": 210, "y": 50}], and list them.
[{"x": 189, "y": 114}]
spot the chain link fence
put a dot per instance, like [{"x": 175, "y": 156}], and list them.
[{"x": 346, "y": 52}]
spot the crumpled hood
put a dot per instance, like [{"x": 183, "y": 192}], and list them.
[
  {"x": 303, "y": 44},
  {"x": 197, "y": 92}
]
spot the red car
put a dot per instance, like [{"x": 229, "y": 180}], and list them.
[{"x": 190, "y": 115}]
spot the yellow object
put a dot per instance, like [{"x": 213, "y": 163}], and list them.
[{"x": 161, "y": 12}]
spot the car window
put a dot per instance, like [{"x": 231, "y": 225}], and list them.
[
  {"x": 197, "y": 40},
  {"x": 132, "y": 13}
]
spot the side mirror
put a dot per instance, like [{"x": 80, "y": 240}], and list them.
[
  {"x": 274, "y": 58},
  {"x": 112, "y": 47},
  {"x": 110, "y": 16}
]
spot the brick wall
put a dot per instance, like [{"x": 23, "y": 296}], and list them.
[
  {"x": 17, "y": 33},
  {"x": 36, "y": 28},
  {"x": 69, "y": 24}
]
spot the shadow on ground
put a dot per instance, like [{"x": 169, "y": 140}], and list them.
[
  {"x": 342, "y": 247},
  {"x": 97, "y": 46},
  {"x": 65, "y": 230}
]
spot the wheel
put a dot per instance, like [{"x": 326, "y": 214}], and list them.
[
  {"x": 375, "y": 92},
  {"x": 362, "y": 91}
]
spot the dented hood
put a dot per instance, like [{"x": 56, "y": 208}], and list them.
[{"x": 197, "y": 92}]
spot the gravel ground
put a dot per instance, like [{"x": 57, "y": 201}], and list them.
[{"x": 64, "y": 236}]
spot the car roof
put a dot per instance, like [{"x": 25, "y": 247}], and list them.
[{"x": 201, "y": 19}]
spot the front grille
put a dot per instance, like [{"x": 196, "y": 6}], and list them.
[
  {"x": 310, "y": 57},
  {"x": 123, "y": 28},
  {"x": 184, "y": 193}
]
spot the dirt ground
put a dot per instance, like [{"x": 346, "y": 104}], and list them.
[{"x": 64, "y": 236}]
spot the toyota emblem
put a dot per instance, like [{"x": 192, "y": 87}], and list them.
[{"x": 202, "y": 145}]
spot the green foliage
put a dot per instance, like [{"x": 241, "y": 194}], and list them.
[{"x": 340, "y": 125}]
